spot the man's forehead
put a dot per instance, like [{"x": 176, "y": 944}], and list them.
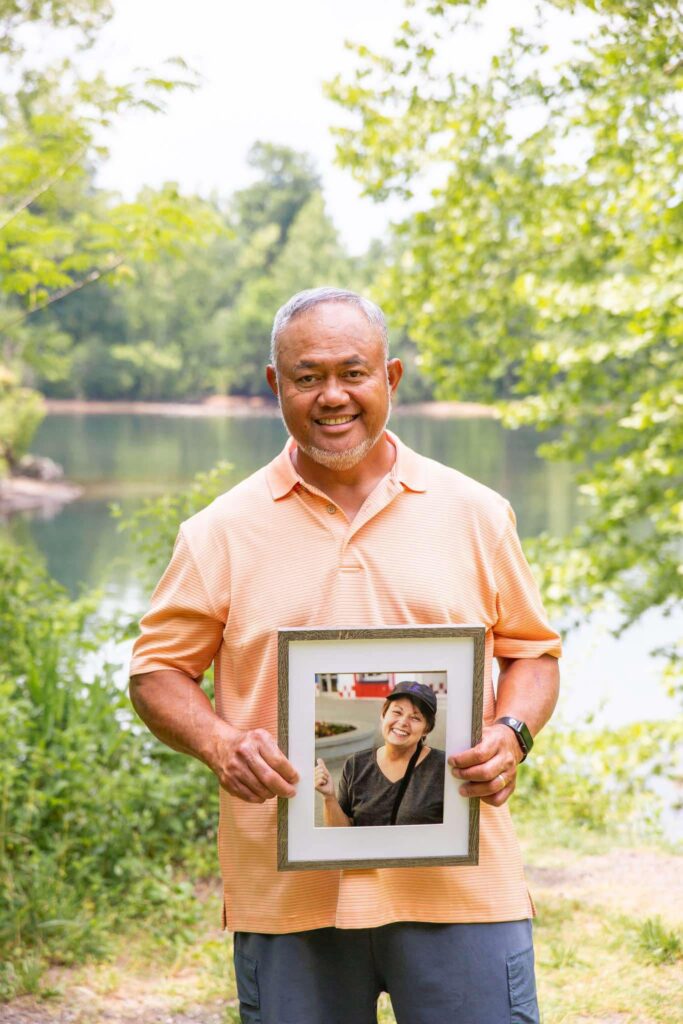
[
  {"x": 332, "y": 335},
  {"x": 333, "y": 321}
]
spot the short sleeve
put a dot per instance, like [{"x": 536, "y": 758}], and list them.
[
  {"x": 522, "y": 629},
  {"x": 344, "y": 794},
  {"x": 182, "y": 630}
]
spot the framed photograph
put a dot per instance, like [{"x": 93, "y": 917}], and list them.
[{"x": 368, "y": 717}]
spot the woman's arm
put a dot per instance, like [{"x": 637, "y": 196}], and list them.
[{"x": 332, "y": 812}]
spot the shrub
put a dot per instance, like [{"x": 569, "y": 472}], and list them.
[{"x": 95, "y": 816}]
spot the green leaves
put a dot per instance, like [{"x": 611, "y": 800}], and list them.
[
  {"x": 95, "y": 817},
  {"x": 545, "y": 269},
  {"x": 57, "y": 234}
]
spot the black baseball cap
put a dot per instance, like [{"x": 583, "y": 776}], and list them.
[{"x": 419, "y": 692}]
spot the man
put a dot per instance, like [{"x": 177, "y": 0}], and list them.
[{"x": 348, "y": 527}]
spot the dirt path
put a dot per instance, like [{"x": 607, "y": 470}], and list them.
[{"x": 639, "y": 883}]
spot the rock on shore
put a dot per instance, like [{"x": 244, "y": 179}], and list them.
[{"x": 26, "y": 494}]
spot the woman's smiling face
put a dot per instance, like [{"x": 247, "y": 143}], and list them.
[{"x": 403, "y": 724}]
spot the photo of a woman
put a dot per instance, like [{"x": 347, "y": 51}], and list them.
[{"x": 398, "y": 783}]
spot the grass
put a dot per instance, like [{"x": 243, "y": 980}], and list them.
[
  {"x": 659, "y": 944},
  {"x": 591, "y": 967},
  {"x": 595, "y": 964}
]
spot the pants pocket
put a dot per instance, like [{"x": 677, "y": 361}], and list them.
[
  {"x": 246, "y": 976},
  {"x": 522, "y": 988}
]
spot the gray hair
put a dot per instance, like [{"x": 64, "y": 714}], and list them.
[{"x": 312, "y": 297}]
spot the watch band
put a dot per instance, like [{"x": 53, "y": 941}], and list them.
[{"x": 521, "y": 731}]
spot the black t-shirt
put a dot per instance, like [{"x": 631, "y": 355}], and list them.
[{"x": 367, "y": 796}]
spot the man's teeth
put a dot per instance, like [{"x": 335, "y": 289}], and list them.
[{"x": 330, "y": 421}]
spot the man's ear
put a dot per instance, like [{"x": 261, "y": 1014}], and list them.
[
  {"x": 271, "y": 377},
  {"x": 394, "y": 373}
]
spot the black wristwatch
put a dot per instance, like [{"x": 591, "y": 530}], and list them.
[{"x": 521, "y": 731}]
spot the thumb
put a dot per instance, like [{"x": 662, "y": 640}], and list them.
[{"x": 320, "y": 763}]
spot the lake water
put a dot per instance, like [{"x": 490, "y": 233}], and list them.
[{"x": 125, "y": 458}]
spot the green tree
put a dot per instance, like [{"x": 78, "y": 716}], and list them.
[
  {"x": 545, "y": 267},
  {"x": 286, "y": 180},
  {"x": 310, "y": 256},
  {"x": 57, "y": 234}
]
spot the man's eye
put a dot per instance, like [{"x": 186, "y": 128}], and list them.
[
  {"x": 306, "y": 379},
  {"x": 354, "y": 374}
]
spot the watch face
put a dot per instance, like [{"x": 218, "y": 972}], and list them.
[{"x": 521, "y": 731}]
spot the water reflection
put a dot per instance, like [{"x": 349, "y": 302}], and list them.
[{"x": 125, "y": 458}]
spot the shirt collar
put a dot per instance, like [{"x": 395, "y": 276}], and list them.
[{"x": 409, "y": 469}]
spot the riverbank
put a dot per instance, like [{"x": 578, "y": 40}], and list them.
[
  {"x": 25, "y": 494},
  {"x": 241, "y": 405}
]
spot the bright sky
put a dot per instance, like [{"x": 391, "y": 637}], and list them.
[{"x": 263, "y": 63}]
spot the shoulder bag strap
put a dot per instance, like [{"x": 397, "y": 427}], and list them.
[{"x": 404, "y": 783}]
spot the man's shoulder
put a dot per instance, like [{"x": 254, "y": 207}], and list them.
[
  {"x": 446, "y": 481},
  {"x": 245, "y": 499}
]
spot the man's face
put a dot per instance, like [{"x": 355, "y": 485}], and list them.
[{"x": 334, "y": 384}]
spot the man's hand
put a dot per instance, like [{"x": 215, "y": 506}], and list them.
[
  {"x": 248, "y": 764},
  {"x": 489, "y": 770},
  {"x": 251, "y": 766}
]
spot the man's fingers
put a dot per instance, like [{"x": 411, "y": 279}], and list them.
[
  {"x": 241, "y": 790},
  {"x": 497, "y": 746},
  {"x": 266, "y": 777},
  {"x": 491, "y": 788},
  {"x": 473, "y": 756},
  {"x": 488, "y": 770},
  {"x": 500, "y": 797},
  {"x": 257, "y": 770},
  {"x": 272, "y": 754}
]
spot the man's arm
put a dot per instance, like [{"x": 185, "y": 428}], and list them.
[
  {"x": 527, "y": 689},
  {"x": 248, "y": 764}
]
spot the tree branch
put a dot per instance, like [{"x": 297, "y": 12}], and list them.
[
  {"x": 93, "y": 276},
  {"x": 44, "y": 186}
]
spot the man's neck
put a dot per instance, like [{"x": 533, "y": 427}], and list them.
[{"x": 348, "y": 487}]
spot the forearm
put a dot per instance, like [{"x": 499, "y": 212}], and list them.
[
  {"x": 179, "y": 713},
  {"x": 528, "y": 689},
  {"x": 247, "y": 763},
  {"x": 333, "y": 814}
]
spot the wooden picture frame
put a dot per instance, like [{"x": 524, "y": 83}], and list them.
[{"x": 306, "y": 656}]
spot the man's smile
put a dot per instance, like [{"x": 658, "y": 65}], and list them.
[{"x": 335, "y": 421}]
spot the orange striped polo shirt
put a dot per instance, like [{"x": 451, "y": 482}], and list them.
[{"x": 429, "y": 546}]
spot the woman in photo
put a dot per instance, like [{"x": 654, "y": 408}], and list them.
[{"x": 399, "y": 783}]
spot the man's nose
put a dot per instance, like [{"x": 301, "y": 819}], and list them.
[{"x": 333, "y": 392}]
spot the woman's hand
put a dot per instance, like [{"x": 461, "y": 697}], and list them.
[{"x": 322, "y": 779}]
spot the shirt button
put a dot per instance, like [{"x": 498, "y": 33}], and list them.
[{"x": 331, "y": 509}]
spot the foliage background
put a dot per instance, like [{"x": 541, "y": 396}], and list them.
[{"x": 543, "y": 273}]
